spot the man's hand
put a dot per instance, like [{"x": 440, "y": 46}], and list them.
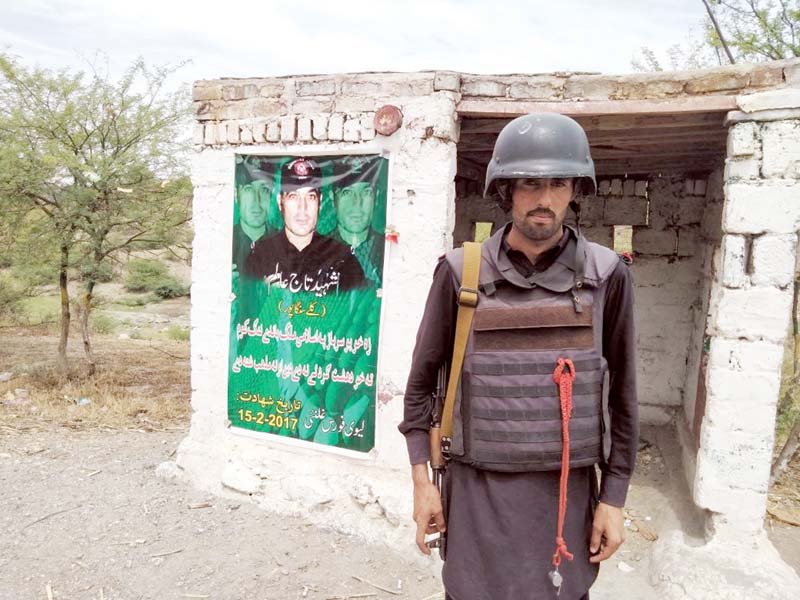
[
  {"x": 608, "y": 532},
  {"x": 428, "y": 513}
]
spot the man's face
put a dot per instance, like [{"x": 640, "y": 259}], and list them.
[
  {"x": 354, "y": 207},
  {"x": 253, "y": 200},
  {"x": 300, "y": 209},
  {"x": 538, "y": 206}
]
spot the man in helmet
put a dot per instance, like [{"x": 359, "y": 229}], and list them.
[{"x": 548, "y": 372}]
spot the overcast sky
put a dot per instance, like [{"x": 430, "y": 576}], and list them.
[{"x": 248, "y": 38}]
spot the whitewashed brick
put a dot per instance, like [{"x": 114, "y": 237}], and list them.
[
  {"x": 774, "y": 260},
  {"x": 713, "y": 491},
  {"x": 616, "y": 187},
  {"x": 734, "y": 269},
  {"x": 288, "y": 128},
  {"x": 336, "y": 127},
  {"x": 626, "y": 210},
  {"x": 259, "y": 129},
  {"x": 483, "y": 88},
  {"x": 734, "y": 459},
  {"x": 640, "y": 188},
  {"x": 772, "y": 207},
  {"x": 210, "y": 135},
  {"x": 628, "y": 187},
  {"x": 770, "y": 100},
  {"x": 756, "y": 313},
  {"x": 781, "y": 149},
  {"x": 367, "y": 123},
  {"x": 604, "y": 187},
  {"x": 747, "y": 168},
  {"x": 304, "y": 129},
  {"x": 650, "y": 241},
  {"x": 319, "y": 127},
  {"x": 222, "y": 133},
  {"x": 726, "y": 354},
  {"x": 319, "y": 87},
  {"x": 742, "y": 139},
  {"x": 447, "y": 81},
  {"x": 352, "y": 130},
  {"x": 273, "y": 131},
  {"x": 246, "y": 134},
  {"x": 198, "y": 134}
]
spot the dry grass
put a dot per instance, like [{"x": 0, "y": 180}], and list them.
[{"x": 139, "y": 384}]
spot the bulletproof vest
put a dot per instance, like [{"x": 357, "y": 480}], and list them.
[{"x": 507, "y": 414}]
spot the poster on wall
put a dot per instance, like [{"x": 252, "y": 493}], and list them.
[{"x": 307, "y": 271}]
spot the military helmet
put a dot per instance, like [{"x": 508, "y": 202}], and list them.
[{"x": 541, "y": 145}]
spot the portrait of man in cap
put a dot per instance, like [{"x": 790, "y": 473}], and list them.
[
  {"x": 298, "y": 258},
  {"x": 354, "y": 197},
  {"x": 253, "y": 190}
]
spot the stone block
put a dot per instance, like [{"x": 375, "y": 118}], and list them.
[
  {"x": 246, "y": 134},
  {"x": 210, "y": 135},
  {"x": 756, "y": 313},
  {"x": 288, "y": 128},
  {"x": 303, "y": 106},
  {"x": 628, "y": 187},
  {"x": 356, "y": 104},
  {"x": 367, "y": 124},
  {"x": 447, "y": 81},
  {"x": 198, "y": 134},
  {"x": 791, "y": 74},
  {"x": 616, "y": 187},
  {"x": 625, "y": 210},
  {"x": 604, "y": 187},
  {"x": 690, "y": 241},
  {"x": 640, "y": 189},
  {"x": 589, "y": 87},
  {"x": 716, "y": 81},
  {"x": 734, "y": 267},
  {"x": 206, "y": 110},
  {"x": 233, "y": 92},
  {"x": 352, "y": 130},
  {"x": 742, "y": 356},
  {"x": 736, "y": 169},
  {"x": 599, "y": 235},
  {"x": 771, "y": 207},
  {"x": 222, "y": 133},
  {"x": 206, "y": 92},
  {"x": 766, "y": 76},
  {"x": 592, "y": 210},
  {"x": 304, "y": 130},
  {"x": 650, "y": 241},
  {"x": 336, "y": 127},
  {"x": 541, "y": 87},
  {"x": 319, "y": 127},
  {"x": 742, "y": 139},
  {"x": 483, "y": 87},
  {"x": 781, "y": 149},
  {"x": 773, "y": 260},
  {"x": 737, "y": 460},
  {"x": 316, "y": 87},
  {"x": 770, "y": 100},
  {"x": 647, "y": 86},
  {"x": 272, "y": 89},
  {"x": 700, "y": 186},
  {"x": 259, "y": 129},
  {"x": 273, "y": 132}
]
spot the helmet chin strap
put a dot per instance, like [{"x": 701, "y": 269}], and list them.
[{"x": 576, "y": 208}]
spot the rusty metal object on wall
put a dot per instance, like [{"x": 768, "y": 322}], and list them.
[{"x": 388, "y": 119}]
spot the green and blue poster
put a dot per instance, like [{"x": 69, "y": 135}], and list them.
[{"x": 307, "y": 271}]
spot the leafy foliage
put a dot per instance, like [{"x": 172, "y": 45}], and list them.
[{"x": 146, "y": 275}]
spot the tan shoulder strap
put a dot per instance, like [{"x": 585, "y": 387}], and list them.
[{"x": 467, "y": 301}]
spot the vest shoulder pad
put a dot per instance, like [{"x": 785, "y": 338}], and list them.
[{"x": 600, "y": 262}]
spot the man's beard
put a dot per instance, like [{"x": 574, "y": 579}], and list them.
[{"x": 541, "y": 231}]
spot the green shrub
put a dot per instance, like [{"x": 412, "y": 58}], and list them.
[
  {"x": 178, "y": 333},
  {"x": 135, "y": 301},
  {"x": 35, "y": 274},
  {"x": 101, "y": 323},
  {"x": 153, "y": 276}
]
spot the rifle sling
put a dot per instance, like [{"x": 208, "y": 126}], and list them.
[{"x": 467, "y": 301}]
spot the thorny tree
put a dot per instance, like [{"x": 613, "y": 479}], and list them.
[{"x": 95, "y": 166}]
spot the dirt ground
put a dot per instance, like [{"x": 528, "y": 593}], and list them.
[{"x": 84, "y": 515}]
